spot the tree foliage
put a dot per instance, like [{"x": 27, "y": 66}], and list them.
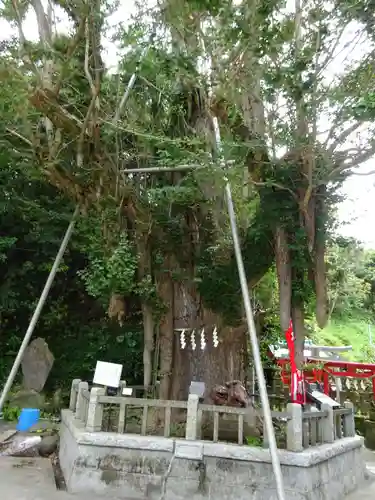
[
  {"x": 34, "y": 217},
  {"x": 351, "y": 279}
]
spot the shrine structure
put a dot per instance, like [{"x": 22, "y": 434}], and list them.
[{"x": 323, "y": 365}]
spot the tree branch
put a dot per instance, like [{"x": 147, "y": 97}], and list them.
[
  {"x": 25, "y": 57},
  {"x": 275, "y": 185},
  {"x": 70, "y": 52},
  {"x": 342, "y": 137},
  {"x": 355, "y": 162},
  {"x": 86, "y": 65},
  {"x": 44, "y": 28},
  {"x": 372, "y": 172}
]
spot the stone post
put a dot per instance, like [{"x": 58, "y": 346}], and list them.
[
  {"x": 199, "y": 423},
  {"x": 121, "y": 387},
  {"x": 95, "y": 412},
  {"x": 192, "y": 417},
  {"x": 80, "y": 408},
  {"x": 74, "y": 394},
  {"x": 294, "y": 438},
  {"x": 328, "y": 427},
  {"x": 349, "y": 424}
]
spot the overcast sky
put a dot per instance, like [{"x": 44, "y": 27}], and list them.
[{"x": 357, "y": 212}]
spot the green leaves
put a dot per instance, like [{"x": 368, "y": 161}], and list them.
[
  {"x": 6, "y": 243},
  {"x": 350, "y": 278},
  {"x": 111, "y": 274}
]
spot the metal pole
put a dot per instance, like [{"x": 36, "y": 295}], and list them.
[
  {"x": 177, "y": 168},
  {"x": 255, "y": 348},
  {"x": 157, "y": 170},
  {"x": 252, "y": 332},
  {"x": 38, "y": 310},
  {"x": 125, "y": 97}
]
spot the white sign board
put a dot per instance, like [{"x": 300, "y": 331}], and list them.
[
  {"x": 107, "y": 374},
  {"x": 127, "y": 391},
  {"x": 324, "y": 399}
]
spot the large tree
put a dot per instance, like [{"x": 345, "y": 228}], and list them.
[{"x": 164, "y": 238}]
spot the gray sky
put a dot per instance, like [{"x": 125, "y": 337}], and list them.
[{"x": 357, "y": 212}]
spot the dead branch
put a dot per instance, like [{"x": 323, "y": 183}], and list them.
[
  {"x": 86, "y": 65},
  {"x": 94, "y": 103},
  {"x": 17, "y": 134},
  {"x": 70, "y": 53}
]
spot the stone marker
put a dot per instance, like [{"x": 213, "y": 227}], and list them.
[
  {"x": 36, "y": 365},
  {"x": 197, "y": 388}
]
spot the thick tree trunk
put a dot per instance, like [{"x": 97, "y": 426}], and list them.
[{"x": 212, "y": 365}]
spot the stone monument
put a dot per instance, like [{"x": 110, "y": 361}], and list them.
[{"x": 36, "y": 365}]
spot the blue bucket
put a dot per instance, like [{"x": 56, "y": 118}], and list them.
[{"x": 28, "y": 418}]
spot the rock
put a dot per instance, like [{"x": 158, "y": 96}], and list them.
[
  {"x": 27, "y": 399},
  {"x": 36, "y": 365},
  {"x": 21, "y": 446},
  {"x": 48, "y": 445},
  {"x": 55, "y": 404}
]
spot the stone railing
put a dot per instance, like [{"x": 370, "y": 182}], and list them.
[{"x": 303, "y": 428}]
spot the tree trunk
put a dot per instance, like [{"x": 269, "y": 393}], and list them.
[
  {"x": 166, "y": 332},
  {"x": 284, "y": 275},
  {"x": 211, "y": 365},
  {"x": 298, "y": 319},
  {"x": 148, "y": 344},
  {"x": 144, "y": 273}
]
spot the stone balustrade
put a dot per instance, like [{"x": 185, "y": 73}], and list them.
[{"x": 303, "y": 429}]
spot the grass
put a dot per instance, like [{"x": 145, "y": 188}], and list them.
[{"x": 349, "y": 331}]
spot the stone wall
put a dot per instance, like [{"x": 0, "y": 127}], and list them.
[{"x": 136, "y": 467}]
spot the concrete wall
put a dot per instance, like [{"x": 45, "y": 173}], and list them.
[{"x": 134, "y": 466}]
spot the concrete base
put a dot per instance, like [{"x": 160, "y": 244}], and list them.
[
  {"x": 33, "y": 479},
  {"x": 137, "y": 466}
]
